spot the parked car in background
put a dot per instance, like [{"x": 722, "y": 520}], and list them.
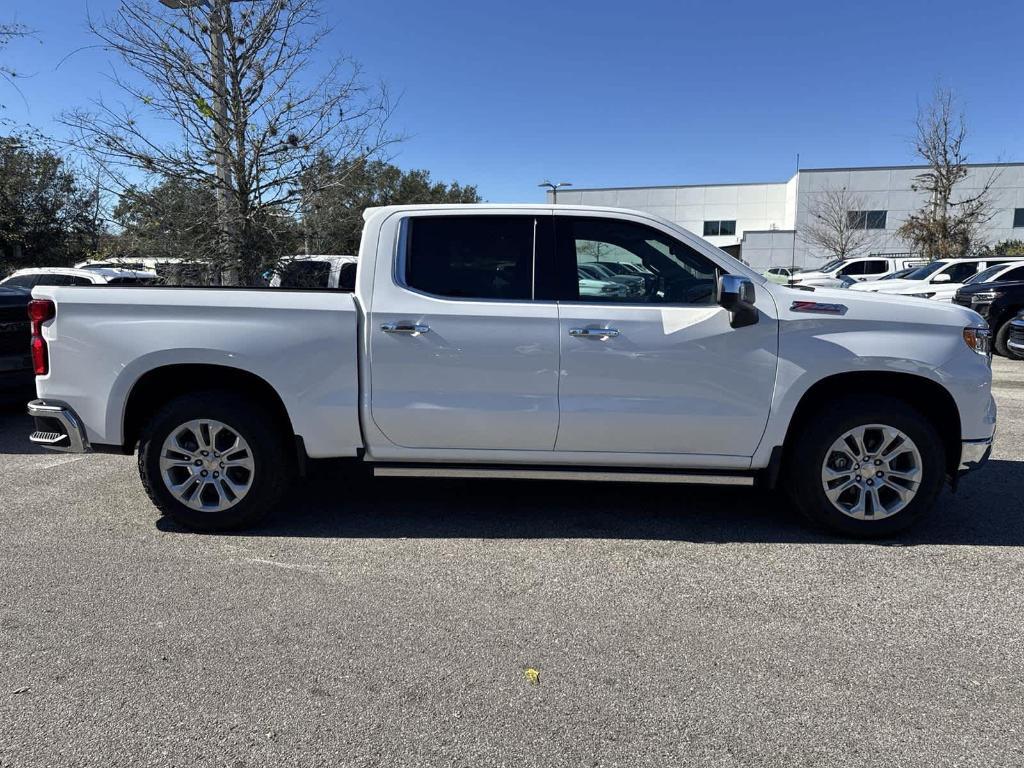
[
  {"x": 321, "y": 271},
  {"x": 17, "y": 381},
  {"x": 1015, "y": 337},
  {"x": 939, "y": 280},
  {"x": 591, "y": 287},
  {"x": 780, "y": 275},
  {"x": 635, "y": 284},
  {"x": 169, "y": 271},
  {"x": 997, "y": 294},
  {"x": 839, "y": 272},
  {"x": 470, "y": 349},
  {"x": 895, "y": 275},
  {"x": 33, "y": 276}
]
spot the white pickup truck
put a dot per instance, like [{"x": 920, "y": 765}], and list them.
[{"x": 468, "y": 349}]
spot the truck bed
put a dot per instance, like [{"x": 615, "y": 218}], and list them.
[{"x": 304, "y": 344}]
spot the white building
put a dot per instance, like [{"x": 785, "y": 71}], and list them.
[{"x": 757, "y": 222}]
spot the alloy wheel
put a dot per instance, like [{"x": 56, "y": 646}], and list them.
[
  {"x": 871, "y": 472},
  {"x": 207, "y": 465}
]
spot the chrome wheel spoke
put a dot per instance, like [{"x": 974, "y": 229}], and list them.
[
  {"x": 910, "y": 474},
  {"x": 838, "y": 490},
  {"x": 876, "y": 505},
  {"x": 853, "y": 441},
  {"x": 836, "y": 474},
  {"x": 904, "y": 493}
]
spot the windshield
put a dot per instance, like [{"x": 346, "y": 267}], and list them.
[
  {"x": 926, "y": 271},
  {"x": 986, "y": 275},
  {"x": 834, "y": 264}
]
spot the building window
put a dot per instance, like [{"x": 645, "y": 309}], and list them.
[
  {"x": 867, "y": 219},
  {"x": 1018, "y": 217},
  {"x": 719, "y": 228}
]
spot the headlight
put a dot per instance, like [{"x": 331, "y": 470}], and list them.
[
  {"x": 979, "y": 339},
  {"x": 922, "y": 295},
  {"x": 984, "y": 297}
]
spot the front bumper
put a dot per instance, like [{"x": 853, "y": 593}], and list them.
[
  {"x": 973, "y": 454},
  {"x": 58, "y": 427},
  {"x": 1016, "y": 336}
]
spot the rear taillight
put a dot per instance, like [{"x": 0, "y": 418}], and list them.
[{"x": 39, "y": 311}]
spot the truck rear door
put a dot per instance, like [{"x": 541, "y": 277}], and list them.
[{"x": 463, "y": 345}]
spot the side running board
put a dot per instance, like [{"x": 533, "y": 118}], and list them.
[{"x": 543, "y": 473}]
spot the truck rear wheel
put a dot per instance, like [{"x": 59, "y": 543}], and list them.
[
  {"x": 866, "y": 466},
  {"x": 213, "y": 462}
]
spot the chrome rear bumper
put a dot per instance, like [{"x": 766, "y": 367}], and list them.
[{"x": 57, "y": 427}]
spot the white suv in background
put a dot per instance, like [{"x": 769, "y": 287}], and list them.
[
  {"x": 33, "y": 276},
  {"x": 939, "y": 280},
  {"x": 840, "y": 273}
]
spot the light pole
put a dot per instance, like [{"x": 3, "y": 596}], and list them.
[
  {"x": 554, "y": 188},
  {"x": 215, "y": 10}
]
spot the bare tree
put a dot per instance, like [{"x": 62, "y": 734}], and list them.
[
  {"x": 250, "y": 108},
  {"x": 948, "y": 225},
  {"x": 838, "y": 224},
  {"x": 9, "y": 32}
]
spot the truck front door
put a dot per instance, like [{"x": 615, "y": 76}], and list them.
[
  {"x": 463, "y": 348},
  {"x": 662, "y": 370}
]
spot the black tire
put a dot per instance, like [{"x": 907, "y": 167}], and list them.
[
  {"x": 1000, "y": 343},
  {"x": 273, "y": 466},
  {"x": 804, "y": 463}
]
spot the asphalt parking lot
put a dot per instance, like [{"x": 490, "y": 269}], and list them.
[{"x": 389, "y": 623}]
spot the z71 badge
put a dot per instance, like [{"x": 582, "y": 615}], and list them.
[{"x": 818, "y": 307}]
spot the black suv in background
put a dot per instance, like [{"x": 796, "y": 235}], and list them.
[
  {"x": 998, "y": 303},
  {"x": 17, "y": 381}
]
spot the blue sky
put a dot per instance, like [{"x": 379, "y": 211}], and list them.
[{"x": 604, "y": 94}]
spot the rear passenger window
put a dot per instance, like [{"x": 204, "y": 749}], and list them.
[
  {"x": 21, "y": 281},
  {"x": 52, "y": 279},
  {"x": 471, "y": 257}
]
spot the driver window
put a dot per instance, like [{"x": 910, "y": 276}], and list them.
[
  {"x": 609, "y": 260},
  {"x": 960, "y": 272}
]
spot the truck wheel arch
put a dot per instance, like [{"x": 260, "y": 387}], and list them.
[
  {"x": 158, "y": 385},
  {"x": 922, "y": 394}
]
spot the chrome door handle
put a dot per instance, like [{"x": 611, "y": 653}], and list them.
[
  {"x": 413, "y": 329},
  {"x": 594, "y": 333}
]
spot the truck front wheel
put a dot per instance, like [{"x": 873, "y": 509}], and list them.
[
  {"x": 212, "y": 461},
  {"x": 866, "y": 466}
]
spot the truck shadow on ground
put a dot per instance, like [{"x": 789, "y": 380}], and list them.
[
  {"x": 987, "y": 510},
  {"x": 15, "y": 427},
  {"x": 337, "y": 502}
]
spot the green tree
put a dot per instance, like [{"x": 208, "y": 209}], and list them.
[
  {"x": 177, "y": 220},
  {"x": 1005, "y": 248},
  {"x": 335, "y": 194},
  {"x": 47, "y": 213}
]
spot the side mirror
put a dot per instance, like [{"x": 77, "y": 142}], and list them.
[
  {"x": 941, "y": 278},
  {"x": 736, "y": 294}
]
